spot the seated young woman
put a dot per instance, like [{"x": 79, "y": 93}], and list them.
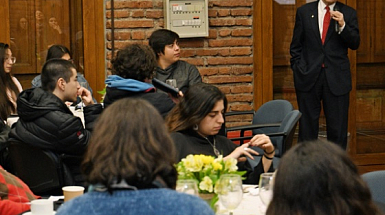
[
  {"x": 130, "y": 165},
  {"x": 194, "y": 125}
]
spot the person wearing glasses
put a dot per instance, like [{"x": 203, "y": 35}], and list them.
[
  {"x": 59, "y": 51},
  {"x": 10, "y": 87}
]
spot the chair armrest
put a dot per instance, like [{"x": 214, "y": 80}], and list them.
[
  {"x": 276, "y": 134},
  {"x": 251, "y": 127}
]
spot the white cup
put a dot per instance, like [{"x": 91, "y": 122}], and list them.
[
  {"x": 71, "y": 192},
  {"x": 42, "y": 207}
]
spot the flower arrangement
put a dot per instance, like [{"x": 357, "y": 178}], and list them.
[{"x": 207, "y": 170}]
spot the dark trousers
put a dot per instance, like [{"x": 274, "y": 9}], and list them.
[{"x": 335, "y": 109}]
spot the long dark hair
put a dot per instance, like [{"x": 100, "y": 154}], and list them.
[
  {"x": 57, "y": 51},
  {"x": 198, "y": 101},
  {"x": 132, "y": 145},
  {"x": 6, "y": 82},
  {"x": 319, "y": 178}
]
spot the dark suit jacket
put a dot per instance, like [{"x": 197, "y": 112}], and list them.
[{"x": 308, "y": 54}]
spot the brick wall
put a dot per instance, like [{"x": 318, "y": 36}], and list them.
[{"x": 224, "y": 58}]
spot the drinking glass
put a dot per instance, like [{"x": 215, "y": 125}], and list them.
[
  {"x": 230, "y": 191},
  {"x": 84, "y": 85},
  {"x": 266, "y": 184},
  {"x": 171, "y": 82},
  {"x": 188, "y": 186}
]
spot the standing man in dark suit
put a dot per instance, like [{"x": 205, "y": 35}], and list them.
[{"x": 323, "y": 32}]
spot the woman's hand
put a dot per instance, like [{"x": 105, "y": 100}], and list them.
[
  {"x": 242, "y": 150},
  {"x": 262, "y": 141}
]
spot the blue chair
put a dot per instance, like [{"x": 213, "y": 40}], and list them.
[{"x": 376, "y": 183}]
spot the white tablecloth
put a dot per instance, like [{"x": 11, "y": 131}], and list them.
[{"x": 250, "y": 205}]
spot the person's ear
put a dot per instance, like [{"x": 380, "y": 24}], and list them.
[{"x": 61, "y": 84}]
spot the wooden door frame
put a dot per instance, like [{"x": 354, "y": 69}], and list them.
[
  {"x": 263, "y": 62},
  {"x": 94, "y": 40}
]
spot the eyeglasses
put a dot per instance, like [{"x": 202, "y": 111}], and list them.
[{"x": 12, "y": 59}]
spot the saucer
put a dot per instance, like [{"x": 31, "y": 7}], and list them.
[{"x": 30, "y": 213}]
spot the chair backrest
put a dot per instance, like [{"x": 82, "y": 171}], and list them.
[
  {"x": 273, "y": 111},
  {"x": 41, "y": 170},
  {"x": 376, "y": 183},
  {"x": 288, "y": 126}
]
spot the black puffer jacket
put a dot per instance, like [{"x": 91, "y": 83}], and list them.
[
  {"x": 160, "y": 101},
  {"x": 46, "y": 122}
]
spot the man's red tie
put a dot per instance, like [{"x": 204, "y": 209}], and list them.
[{"x": 326, "y": 24}]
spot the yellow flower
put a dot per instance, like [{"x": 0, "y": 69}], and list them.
[
  {"x": 231, "y": 165},
  {"x": 192, "y": 163},
  {"x": 206, "y": 184},
  {"x": 206, "y": 159},
  {"x": 216, "y": 165}
]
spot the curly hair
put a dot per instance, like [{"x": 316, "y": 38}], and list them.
[
  {"x": 319, "y": 178},
  {"x": 198, "y": 101},
  {"x": 136, "y": 61},
  {"x": 130, "y": 145}
]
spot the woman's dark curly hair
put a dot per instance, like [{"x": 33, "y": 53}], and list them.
[{"x": 136, "y": 61}]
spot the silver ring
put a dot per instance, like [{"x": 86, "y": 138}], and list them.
[{"x": 246, "y": 149}]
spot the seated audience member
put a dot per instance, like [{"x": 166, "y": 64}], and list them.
[
  {"x": 4, "y": 130},
  {"x": 10, "y": 87},
  {"x": 196, "y": 121},
  {"x": 318, "y": 177},
  {"x": 133, "y": 69},
  {"x": 14, "y": 194},
  {"x": 130, "y": 165},
  {"x": 59, "y": 51},
  {"x": 45, "y": 120},
  {"x": 165, "y": 44}
]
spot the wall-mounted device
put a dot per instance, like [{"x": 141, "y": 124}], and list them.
[{"x": 187, "y": 18}]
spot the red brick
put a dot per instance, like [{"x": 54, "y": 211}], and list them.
[
  {"x": 145, "y": 23},
  {"x": 192, "y": 42},
  {"x": 119, "y": 35},
  {"x": 222, "y": 22},
  {"x": 232, "y": 3},
  {"x": 137, "y": 13},
  {"x": 242, "y": 89},
  {"x": 156, "y": 14},
  {"x": 187, "y": 53},
  {"x": 224, "y": 70},
  {"x": 224, "y": 32},
  {"x": 208, "y": 71},
  {"x": 244, "y": 22},
  {"x": 229, "y": 60},
  {"x": 241, "y": 70},
  {"x": 138, "y": 35},
  {"x": 213, "y": 52},
  {"x": 131, "y": 4},
  {"x": 229, "y": 79},
  {"x": 237, "y": 51},
  {"x": 231, "y": 42},
  {"x": 212, "y": 34},
  {"x": 212, "y": 13},
  {"x": 242, "y": 107},
  {"x": 223, "y": 12},
  {"x": 242, "y": 32},
  {"x": 194, "y": 61},
  {"x": 117, "y": 14},
  {"x": 241, "y": 12},
  {"x": 240, "y": 97}
]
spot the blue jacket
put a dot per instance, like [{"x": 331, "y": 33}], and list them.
[
  {"x": 148, "y": 201},
  {"x": 118, "y": 88}
]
